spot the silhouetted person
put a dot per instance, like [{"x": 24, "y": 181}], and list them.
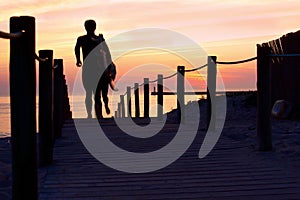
[{"x": 94, "y": 77}]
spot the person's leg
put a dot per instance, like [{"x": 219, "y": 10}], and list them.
[
  {"x": 88, "y": 103},
  {"x": 104, "y": 87},
  {"x": 98, "y": 104},
  {"x": 88, "y": 86}
]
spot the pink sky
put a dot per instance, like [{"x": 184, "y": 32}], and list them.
[{"x": 229, "y": 29}]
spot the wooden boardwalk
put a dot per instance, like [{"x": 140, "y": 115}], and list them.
[{"x": 233, "y": 170}]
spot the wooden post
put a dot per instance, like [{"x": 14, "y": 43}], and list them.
[
  {"x": 67, "y": 114},
  {"x": 211, "y": 91},
  {"x": 65, "y": 98},
  {"x": 146, "y": 97},
  {"x": 23, "y": 109},
  {"x": 122, "y": 105},
  {"x": 264, "y": 124},
  {"x": 180, "y": 93},
  {"x": 160, "y": 96},
  {"x": 58, "y": 97},
  {"x": 137, "y": 100},
  {"x": 119, "y": 110},
  {"x": 129, "y": 101},
  {"x": 46, "y": 134}
]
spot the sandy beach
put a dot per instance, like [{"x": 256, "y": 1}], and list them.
[{"x": 240, "y": 125}]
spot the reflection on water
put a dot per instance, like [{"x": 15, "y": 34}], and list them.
[{"x": 5, "y": 117}]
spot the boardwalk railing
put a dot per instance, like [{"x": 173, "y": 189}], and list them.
[
  {"x": 181, "y": 71},
  {"x": 52, "y": 88},
  {"x": 264, "y": 94},
  {"x": 210, "y": 92}
]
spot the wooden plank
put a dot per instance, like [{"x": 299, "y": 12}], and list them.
[{"x": 229, "y": 171}]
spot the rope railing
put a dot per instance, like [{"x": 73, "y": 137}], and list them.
[
  {"x": 132, "y": 88},
  {"x": 160, "y": 78},
  {"x": 237, "y": 62},
  {"x": 250, "y": 59},
  {"x": 39, "y": 58},
  {"x": 4, "y": 35},
  {"x": 168, "y": 77},
  {"x": 153, "y": 81},
  {"x": 197, "y": 68},
  {"x": 211, "y": 77},
  {"x": 283, "y": 55},
  {"x": 190, "y": 70}
]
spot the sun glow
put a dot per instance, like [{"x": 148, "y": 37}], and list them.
[{"x": 229, "y": 29}]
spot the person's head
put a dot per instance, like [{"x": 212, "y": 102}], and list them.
[{"x": 90, "y": 26}]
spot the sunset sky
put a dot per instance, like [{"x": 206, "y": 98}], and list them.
[{"x": 229, "y": 29}]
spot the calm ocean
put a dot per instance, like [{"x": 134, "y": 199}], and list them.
[{"x": 78, "y": 108}]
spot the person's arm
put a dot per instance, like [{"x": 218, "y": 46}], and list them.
[{"x": 77, "y": 53}]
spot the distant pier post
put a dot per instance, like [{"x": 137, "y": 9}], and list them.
[
  {"x": 58, "y": 97},
  {"x": 264, "y": 124},
  {"x": 23, "y": 109},
  {"x": 211, "y": 91},
  {"x": 66, "y": 103},
  {"x": 160, "y": 96},
  {"x": 46, "y": 134},
  {"x": 180, "y": 93},
  {"x": 146, "y": 97},
  {"x": 137, "y": 100},
  {"x": 122, "y": 105},
  {"x": 119, "y": 110},
  {"x": 128, "y": 101}
]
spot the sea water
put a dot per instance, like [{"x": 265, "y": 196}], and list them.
[
  {"x": 78, "y": 108},
  {"x": 4, "y": 117}
]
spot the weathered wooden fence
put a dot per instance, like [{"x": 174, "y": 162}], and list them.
[
  {"x": 278, "y": 69},
  {"x": 23, "y": 106},
  {"x": 285, "y": 65}
]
